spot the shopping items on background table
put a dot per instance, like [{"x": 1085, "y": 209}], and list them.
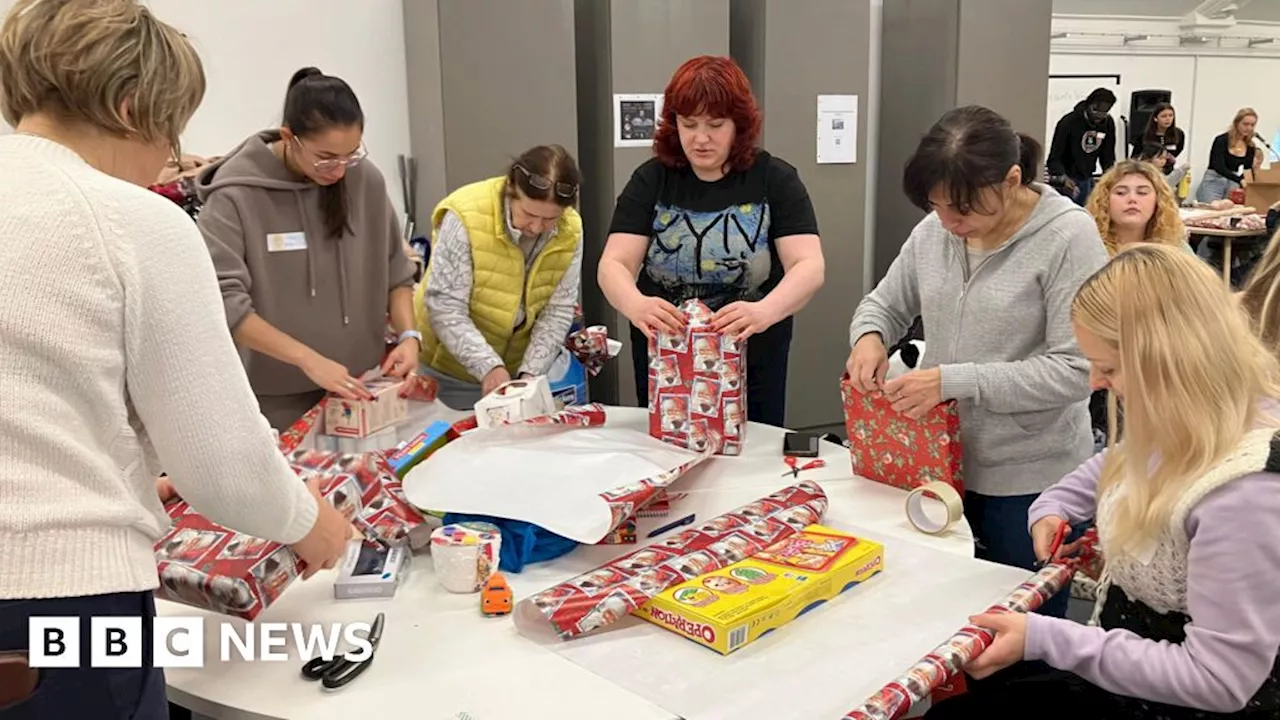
[
  {"x": 947, "y": 661},
  {"x": 888, "y": 447},
  {"x": 566, "y": 472},
  {"x": 697, "y": 385},
  {"x": 729, "y": 608},
  {"x": 208, "y": 566},
  {"x": 522, "y": 542},
  {"x": 515, "y": 401},
  {"x": 465, "y": 555},
  {"x": 602, "y": 596}
]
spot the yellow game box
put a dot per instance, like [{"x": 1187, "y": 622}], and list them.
[{"x": 734, "y": 606}]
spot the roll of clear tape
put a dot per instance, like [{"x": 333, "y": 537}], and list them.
[{"x": 934, "y": 493}]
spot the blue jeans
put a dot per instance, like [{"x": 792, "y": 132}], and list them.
[
  {"x": 1084, "y": 186},
  {"x": 86, "y": 692},
  {"x": 1000, "y": 530}
]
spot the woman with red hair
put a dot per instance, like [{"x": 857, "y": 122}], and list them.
[{"x": 713, "y": 217}]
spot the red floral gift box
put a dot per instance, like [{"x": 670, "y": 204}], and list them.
[
  {"x": 205, "y": 565},
  {"x": 697, "y": 385},
  {"x": 889, "y": 447}
]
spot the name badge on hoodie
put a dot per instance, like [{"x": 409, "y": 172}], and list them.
[{"x": 283, "y": 242}]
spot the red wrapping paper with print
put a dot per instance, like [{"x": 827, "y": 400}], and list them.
[
  {"x": 889, "y": 447},
  {"x": 612, "y": 591},
  {"x": 697, "y": 384},
  {"x": 205, "y": 565},
  {"x": 591, "y": 346},
  {"x": 946, "y": 662}
]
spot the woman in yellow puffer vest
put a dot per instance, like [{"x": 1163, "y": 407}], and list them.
[{"x": 498, "y": 295}]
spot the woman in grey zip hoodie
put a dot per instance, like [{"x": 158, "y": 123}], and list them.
[{"x": 991, "y": 271}]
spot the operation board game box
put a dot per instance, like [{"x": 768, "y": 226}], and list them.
[{"x": 730, "y": 608}]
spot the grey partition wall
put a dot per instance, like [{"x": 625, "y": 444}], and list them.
[
  {"x": 794, "y": 51},
  {"x": 488, "y": 79},
  {"x": 626, "y": 46},
  {"x": 941, "y": 54}
]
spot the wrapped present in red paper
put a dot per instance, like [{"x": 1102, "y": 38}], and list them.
[
  {"x": 210, "y": 567},
  {"x": 698, "y": 385},
  {"x": 891, "y": 448}
]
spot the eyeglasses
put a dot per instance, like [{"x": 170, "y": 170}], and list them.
[
  {"x": 563, "y": 189},
  {"x": 328, "y": 164}
]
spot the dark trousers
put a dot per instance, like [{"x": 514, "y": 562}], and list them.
[
  {"x": 1084, "y": 186},
  {"x": 1000, "y": 530},
  {"x": 86, "y": 692},
  {"x": 767, "y": 355}
]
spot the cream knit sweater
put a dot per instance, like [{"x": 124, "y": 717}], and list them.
[{"x": 115, "y": 361}]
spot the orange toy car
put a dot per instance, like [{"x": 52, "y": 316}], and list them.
[{"x": 495, "y": 598}]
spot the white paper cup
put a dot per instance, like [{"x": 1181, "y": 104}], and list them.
[{"x": 465, "y": 555}]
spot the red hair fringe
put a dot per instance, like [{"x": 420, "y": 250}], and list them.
[{"x": 709, "y": 85}]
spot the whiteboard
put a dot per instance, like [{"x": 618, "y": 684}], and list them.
[{"x": 1067, "y": 90}]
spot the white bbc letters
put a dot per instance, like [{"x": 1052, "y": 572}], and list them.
[
  {"x": 53, "y": 642},
  {"x": 115, "y": 642},
  {"x": 177, "y": 641}
]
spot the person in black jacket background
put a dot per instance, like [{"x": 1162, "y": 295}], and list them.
[{"x": 1083, "y": 138}]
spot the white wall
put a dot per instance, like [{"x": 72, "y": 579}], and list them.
[
  {"x": 250, "y": 48},
  {"x": 1209, "y": 82}
]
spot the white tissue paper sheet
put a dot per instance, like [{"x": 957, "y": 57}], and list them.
[{"x": 550, "y": 476}]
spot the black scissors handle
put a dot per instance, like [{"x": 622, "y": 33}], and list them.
[{"x": 338, "y": 670}]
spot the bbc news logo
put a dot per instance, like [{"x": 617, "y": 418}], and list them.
[{"x": 179, "y": 642}]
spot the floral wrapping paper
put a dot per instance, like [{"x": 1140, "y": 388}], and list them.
[
  {"x": 205, "y": 565},
  {"x": 698, "y": 385},
  {"x": 948, "y": 660},
  {"x": 888, "y": 447},
  {"x": 603, "y": 596}
]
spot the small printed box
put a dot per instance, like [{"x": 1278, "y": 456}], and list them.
[
  {"x": 407, "y": 455},
  {"x": 698, "y": 385},
  {"x": 515, "y": 401},
  {"x": 351, "y": 418},
  {"x": 370, "y": 571},
  {"x": 729, "y": 608}
]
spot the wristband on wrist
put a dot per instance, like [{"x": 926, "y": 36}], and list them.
[{"x": 409, "y": 334}]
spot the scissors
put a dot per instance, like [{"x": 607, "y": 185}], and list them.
[
  {"x": 795, "y": 471},
  {"x": 339, "y": 671},
  {"x": 1056, "y": 545}
]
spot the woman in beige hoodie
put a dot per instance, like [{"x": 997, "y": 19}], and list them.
[{"x": 309, "y": 254}]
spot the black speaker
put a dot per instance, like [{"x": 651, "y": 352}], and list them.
[{"x": 1141, "y": 105}]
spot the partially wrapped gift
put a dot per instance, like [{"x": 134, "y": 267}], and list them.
[
  {"x": 697, "y": 385},
  {"x": 515, "y": 401},
  {"x": 362, "y": 418},
  {"x": 210, "y": 567},
  {"x": 889, "y": 447},
  {"x": 593, "y": 348}
]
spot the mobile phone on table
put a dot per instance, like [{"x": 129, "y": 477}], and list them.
[{"x": 796, "y": 444}]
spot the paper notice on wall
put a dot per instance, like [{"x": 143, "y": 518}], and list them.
[
  {"x": 635, "y": 119},
  {"x": 837, "y": 129}
]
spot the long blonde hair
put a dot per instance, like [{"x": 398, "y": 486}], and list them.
[
  {"x": 1165, "y": 226},
  {"x": 1234, "y": 135},
  {"x": 1193, "y": 371},
  {"x": 1261, "y": 296}
]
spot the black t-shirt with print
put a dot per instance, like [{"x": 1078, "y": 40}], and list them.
[{"x": 714, "y": 241}]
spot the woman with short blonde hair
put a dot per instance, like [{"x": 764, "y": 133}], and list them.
[
  {"x": 1131, "y": 203},
  {"x": 116, "y": 361},
  {"x": 1186, "y": 623}
]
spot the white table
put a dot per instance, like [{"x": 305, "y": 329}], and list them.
[{"x": 440, "y": 658}]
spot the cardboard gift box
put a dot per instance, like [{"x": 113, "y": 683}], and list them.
[
  {"x": 697, "y": 385},
  {"x": 361, "y": 418},
  {"x": 515, "y": 401},
  {"x": 729, "y": 608},
  {"x": 205, "y": 565},
  {"x": 888, "y": 447}
]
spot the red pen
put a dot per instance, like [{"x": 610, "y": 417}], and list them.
[{"x": 1056, "y": 545}]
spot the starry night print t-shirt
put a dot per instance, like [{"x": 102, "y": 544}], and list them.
[{"x": 713, "y": 240}]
